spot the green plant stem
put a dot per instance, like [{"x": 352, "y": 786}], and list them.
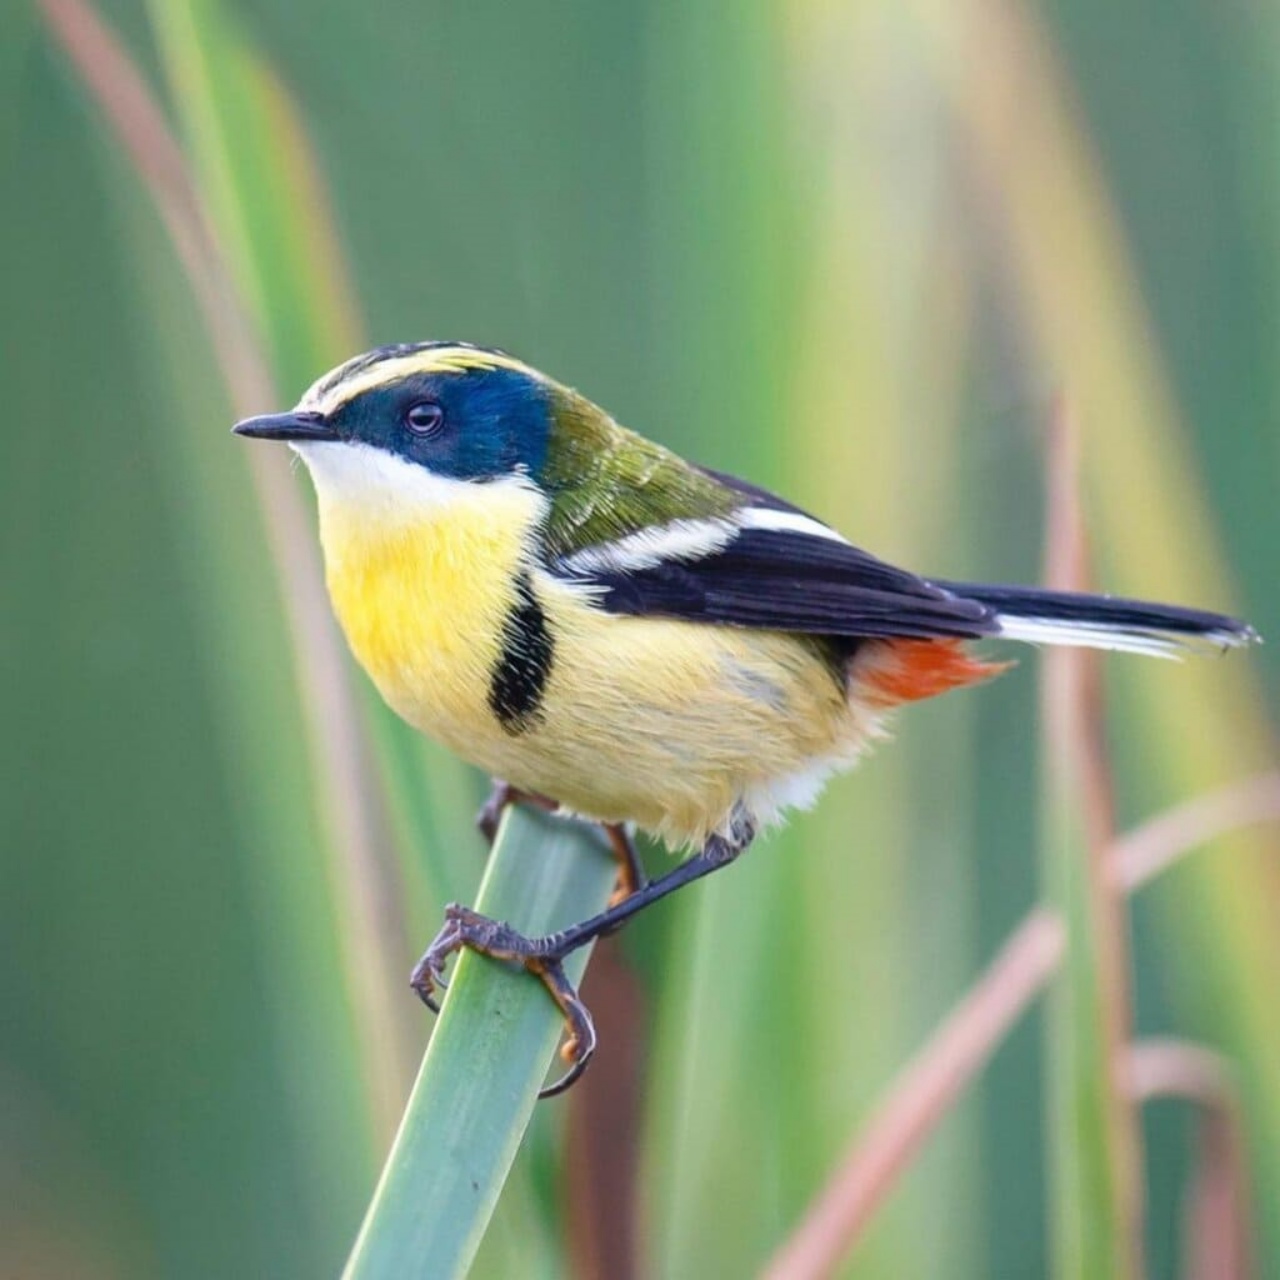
[
  {"x": 1095, "y": 1182},
  {"x": 486, "y": 1061}
]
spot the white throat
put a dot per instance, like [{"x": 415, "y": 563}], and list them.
[{"x": 377, "y": 488}]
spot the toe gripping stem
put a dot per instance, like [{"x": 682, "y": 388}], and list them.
[
  {"x": 500, "y": 797},
  {"x": 466, "y": 928},
  {"x": 544, "y": 957}
]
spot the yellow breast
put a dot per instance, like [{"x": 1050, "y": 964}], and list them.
[{"x": 422, "y": 591}]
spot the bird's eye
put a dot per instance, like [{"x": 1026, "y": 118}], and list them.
[{"x": 424, "y": 418}]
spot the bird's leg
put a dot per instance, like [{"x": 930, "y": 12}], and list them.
[
  {"x": 630, "y": 872},
  {"x": 502, "y": 795},
  {"x": 544, "y": 957},
  {"x": 631, "y": 876}
]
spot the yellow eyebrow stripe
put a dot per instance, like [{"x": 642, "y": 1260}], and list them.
[{"x": 328, "y": 399}]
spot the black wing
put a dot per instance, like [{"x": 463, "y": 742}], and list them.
[{"x": 784, "y": 580}]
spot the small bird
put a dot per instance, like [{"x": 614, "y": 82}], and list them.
[{"x": 620, "y": 634}]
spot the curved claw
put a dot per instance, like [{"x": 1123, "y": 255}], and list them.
[
  {"x": 580, "y": 1044},
  {"x": 428, "y": 973},
  {"x": 571, "y": 1076},
  {"x": 424, "y": 981}
]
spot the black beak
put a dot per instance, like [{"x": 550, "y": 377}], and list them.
[{"x": 287, "y": 426}]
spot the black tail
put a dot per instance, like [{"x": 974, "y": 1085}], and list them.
[{"x": 1104, "y": 622}]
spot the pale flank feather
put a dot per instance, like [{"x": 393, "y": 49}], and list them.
[
  {"x": 786, "y": 522},
  {"x": 678, "y": 541},
  {"x": 1104, "y": 635}
]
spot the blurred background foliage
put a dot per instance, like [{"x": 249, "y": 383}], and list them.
[{"x": 852, "y": 249}]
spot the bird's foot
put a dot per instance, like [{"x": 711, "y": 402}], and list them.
[
  {"x": 502, "y": 795},
  {"x": 542, "y": 957}
]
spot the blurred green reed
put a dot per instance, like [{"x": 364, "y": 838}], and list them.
[{"x": 850, "y": 250}]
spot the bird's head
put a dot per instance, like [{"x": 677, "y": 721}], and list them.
[
  {"x": 418, "y": 423},
  {"x": 401, "y": 433}
]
